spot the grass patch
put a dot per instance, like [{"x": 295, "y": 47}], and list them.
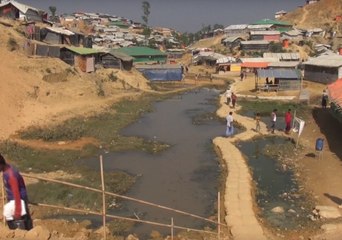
[
  {"x": 40, "y": 160},
  {"x": 264, "y": 107},
  {"x": 105, "y": 127},
  {"x": 44, "y": 192}
]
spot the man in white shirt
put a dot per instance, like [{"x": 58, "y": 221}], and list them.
[
  {"x": 273, "y": 119},
  {"x": 228, "y": 95},
  {"x": 230, "y": 127}
]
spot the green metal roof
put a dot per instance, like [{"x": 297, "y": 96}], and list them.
[
  {"x": 121, "y": 55},
  {"x": 83, "y": 51},
  {"x": 141, "y": 51},
  {"x": 270, "y": 21}
]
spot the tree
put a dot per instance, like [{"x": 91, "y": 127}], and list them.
[
  {"x": 53, "y": 10},
  {"x": 146, "y": 9}
]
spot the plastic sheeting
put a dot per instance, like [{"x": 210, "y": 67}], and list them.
[{"x": 162, "y": 74}]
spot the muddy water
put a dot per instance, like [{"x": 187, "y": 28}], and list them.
[
  {"x": 276, "y": 185},
  {"x": 186, "y": 175}
]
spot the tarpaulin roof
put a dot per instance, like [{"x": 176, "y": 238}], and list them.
[
  {"x": 279, "y": 73},
  {"x": 335, "y": 91},
  {"x": 255, "y": 64}
]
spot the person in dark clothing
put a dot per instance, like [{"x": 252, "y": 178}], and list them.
[
  {"x": 324, "y": 99},
  {"x": 16, "y": 197}
]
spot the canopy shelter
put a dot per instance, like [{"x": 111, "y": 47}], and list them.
[
  {"x": 335, "y": 96},
  {"x": 278, "y": 79}
]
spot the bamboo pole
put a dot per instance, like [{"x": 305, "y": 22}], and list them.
[
  {"x": 172, "y": 228},
  {"x": 3, "y": 197},
  {"x": 218, "y": 215},
  {"x": 103, "y": 199},
  {"x": 123, "y": 218},
  {"x": 123, "y": 197}
]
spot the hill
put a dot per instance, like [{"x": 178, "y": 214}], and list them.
[
  {"x": 318, "y": 15},
  {"x": 41, "y": 90}
]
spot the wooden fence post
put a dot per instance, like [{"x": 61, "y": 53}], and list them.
[
  {"x": 172, "y": 225},
  {"x": 103, "y": 200},
  {"x": 219, "y": 215}
]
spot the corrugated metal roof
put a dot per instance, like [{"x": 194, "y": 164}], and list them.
[
  {"x": 259, "y": 26},
  {"x": 62, "y": 31},
  {"x": 283, "y": 56},
  {"x": 265, "y": 33},
  {"x": 326, "y": 61},
  {"x": 231, "y": 39},
  {"x": 120, "y": 55},
  {"x": 284, "y": 64},
  {"x": 236, "y": 27},
  {"x": 83, "y": 51},
  {"x": 255, "y": 42},
  {"x": 279, "y": 73},
  {"x": 141, "y": 51},
  {"x": 21, "y": 7}
]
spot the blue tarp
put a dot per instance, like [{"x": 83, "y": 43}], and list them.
[
  {"x": 162, "y": 74},
  {"x": 279, "y": 73}
]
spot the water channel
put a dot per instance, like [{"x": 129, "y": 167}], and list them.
[{"x": 186, "y": 175}]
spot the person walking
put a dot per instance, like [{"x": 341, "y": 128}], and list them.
[
  {"x": 257, "y": 122},
  {"x": 230, "y": 127},
  {"x": 228, "y": 95},
  {"x": 324, "y": 99},
  {"x": 273, "y": 120},
  {"x": 234, "y": 98},
  {"x": 288, "y": 120},
  {"x": 16, "y": 209}
]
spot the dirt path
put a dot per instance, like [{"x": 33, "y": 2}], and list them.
[
  {"x": 304, "y": 16},
  {"x": 239, "y": 202}
]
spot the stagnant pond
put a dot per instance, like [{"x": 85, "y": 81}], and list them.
[
  {"x": 276, "y": 183},
  {"x": 186, "y": 175}
]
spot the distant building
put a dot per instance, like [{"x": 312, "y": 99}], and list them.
[
  {"x": 118, "y": 60},
  {"x": 232, "y": 42},
  {"x": 323, "y": 69},
  {"x": 83, "y": 58},
  {"x": 279, "y": 14},
  {"x": 284, "y": 57},
  {"x": 145, "y": 54},
  {"x": 260, "y": 45},
  {"x": 311, "y": 1},
  {"x": 16, "y": 10},
  {"x": 265, "y": 35},
  {"x": 233, "y": 30},
  {"x": 275, "y": 24}
]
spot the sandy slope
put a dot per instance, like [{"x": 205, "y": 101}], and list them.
[{"x": 27, "y": 99}]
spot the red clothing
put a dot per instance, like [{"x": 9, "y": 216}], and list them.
[{"x": 288, "y": 117}]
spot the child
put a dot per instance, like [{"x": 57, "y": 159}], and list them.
[{"x": 257, "y": 120}]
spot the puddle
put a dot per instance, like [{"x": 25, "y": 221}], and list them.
[
  {"x": 276, "y": 184},
  {"x": 184, "y": 176}
]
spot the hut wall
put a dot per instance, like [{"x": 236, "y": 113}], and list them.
[
  {"x": 32, "y": 15},
  {"x": 67, "y": 57},
  {"x": 109, "y": 61},
  {"x": 9, "y": 11},
  {"x": 321, "y": 74},
  {"x": 53, "y": 38}
]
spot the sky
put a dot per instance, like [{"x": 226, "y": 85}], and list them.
[{"x": 181, "y": 15}]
